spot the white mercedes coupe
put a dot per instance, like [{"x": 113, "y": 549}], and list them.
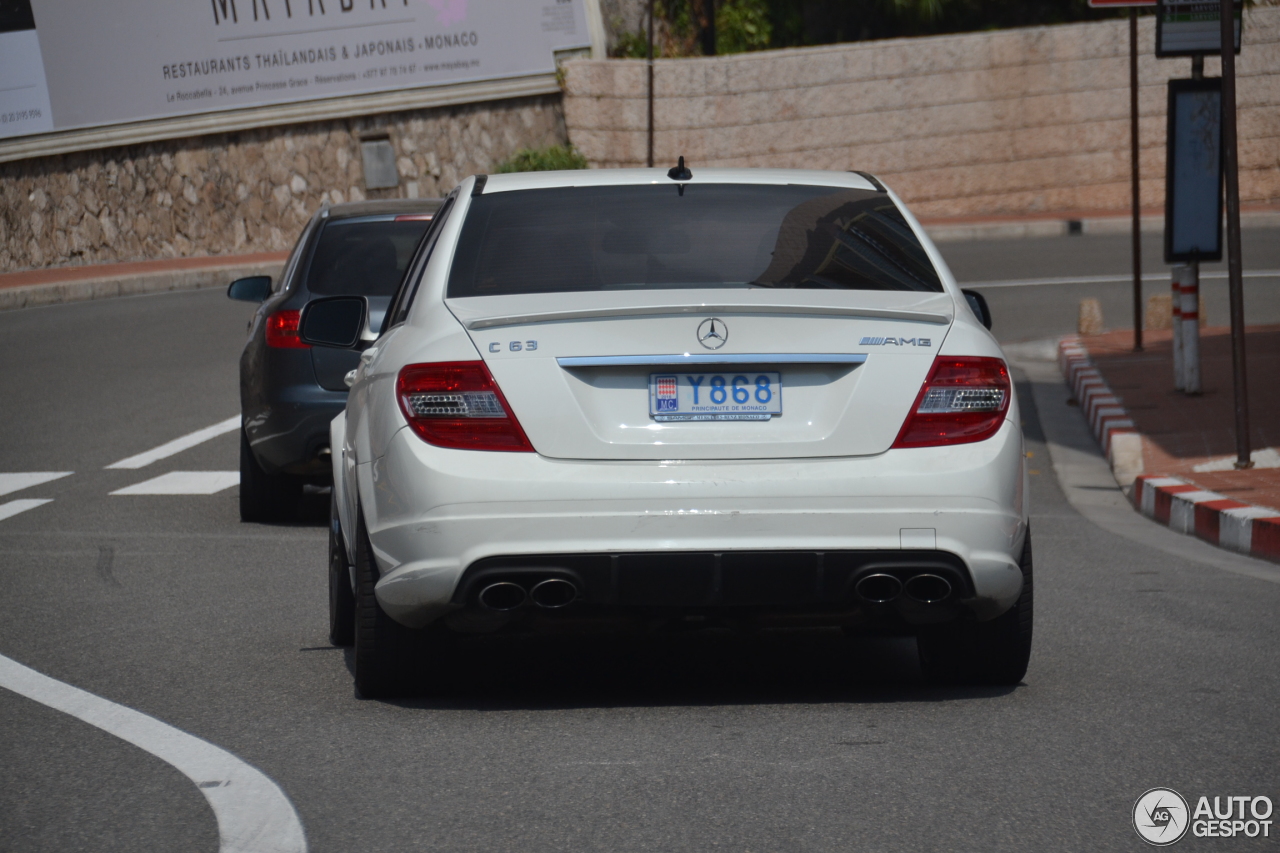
[{"x": 732, "y": 398}]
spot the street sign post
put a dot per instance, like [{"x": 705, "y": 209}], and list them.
[
  {"x": 1133, "y": 154},
  {"x": 1244, "y": 457},
  {"x": 1193, "y": 172},
  {"x": 1185, "y": 28},
  {"x": 1192, "y": 210}
]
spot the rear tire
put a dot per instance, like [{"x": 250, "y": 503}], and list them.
[
  {"x": 263, "y": 496},
  {"x": 342, "y": 600},
  {"x": 992, "y": 653},
  {"x": 383, "y": 646}
]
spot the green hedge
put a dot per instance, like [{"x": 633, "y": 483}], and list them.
[{"x": 551, "y": 158}]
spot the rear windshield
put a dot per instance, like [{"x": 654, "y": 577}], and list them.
[
  {"x": 662, "y": 237},
  {"x": 363, "y": 256}
]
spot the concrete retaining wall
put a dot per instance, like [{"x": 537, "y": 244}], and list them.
[{"x": 1006, "y": 122}]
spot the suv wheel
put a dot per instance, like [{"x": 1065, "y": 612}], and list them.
[
  {"x": 342, "y": 600},
  {"x": 994, "y": 652},
  {"x": 263, "y": 496}
]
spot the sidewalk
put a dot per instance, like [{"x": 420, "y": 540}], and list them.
[
  {"x": 1176, "y": 451},
  {"x": 33, "y": 288},
  {"x": 1062, "y": 222}
]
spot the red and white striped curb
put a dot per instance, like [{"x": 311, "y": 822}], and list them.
[
  {"x": 1103, "y": 410},
  {"x": 1183, "y": 506},
  {"x": 1215, "y": 518}
]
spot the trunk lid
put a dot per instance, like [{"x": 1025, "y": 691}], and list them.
[{"x": 575, "y": 367}]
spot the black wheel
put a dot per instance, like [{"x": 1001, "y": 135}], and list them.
[
  {"x": 383, "y": 646},
  {"x": 342, "y": 600},
  {"x": 994, "y": 652},
  {"x": 263, "y": 496}
]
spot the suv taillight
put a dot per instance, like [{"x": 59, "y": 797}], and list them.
[
  {"x": 282, "y": 330},
  {"x": 457, "y": 404},
  {"x": 964, "y": 399}
]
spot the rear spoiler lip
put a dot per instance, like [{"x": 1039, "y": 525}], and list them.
[
  {"x": 709, "y": 358},
  {"x": 667, "y": 310}
]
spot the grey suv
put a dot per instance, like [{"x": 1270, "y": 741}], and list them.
[{"x": 290, "y": 391}]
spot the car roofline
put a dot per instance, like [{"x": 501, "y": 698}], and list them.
[
  {"x": 512, "y": 181},
  {"x": 388, "y": 206}
]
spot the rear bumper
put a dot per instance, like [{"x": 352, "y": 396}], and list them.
[
  {"x": 432, "y": 513},
  {"x": 289, "y": 434}
]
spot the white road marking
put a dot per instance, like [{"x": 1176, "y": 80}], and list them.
[
  {"x": 178, "y": 445},
  {"x": 18, "y": 482},
  {"x": 12, "y": 508},
  {"x": 1108, "y": 279},
  {"x": 253, "y": 814},
  {"x": 183, "y": 483}
]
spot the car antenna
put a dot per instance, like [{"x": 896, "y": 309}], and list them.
[{"x": 680, "y": 172}]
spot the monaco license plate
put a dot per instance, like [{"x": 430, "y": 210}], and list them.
[{"x": 746, "y": 396}]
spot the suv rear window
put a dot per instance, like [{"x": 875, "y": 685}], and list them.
[
  {"x": 364, "y": 255},
  {"x": 661, "y": 237}
]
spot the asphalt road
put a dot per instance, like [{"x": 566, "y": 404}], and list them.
[
  {"x": 1011, "y": 274},
  {"x": 1152, "y": 664}
]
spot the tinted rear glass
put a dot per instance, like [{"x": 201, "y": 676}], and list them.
[
  {"x": 713, "y": 235},
  {"x": 363, "y": 256}
]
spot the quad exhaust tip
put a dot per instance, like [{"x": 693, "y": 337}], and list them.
[
  {"x": 503, "y": 595},
  {"x": 549, "y": 594},
  {"x": 924, "y": 588},
  {"x": 879, "y": 588},
  {"x": 553, "y": 593},
  {"x": 928, "y": 589}
]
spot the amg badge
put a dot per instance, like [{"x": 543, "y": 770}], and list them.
[{"x": 895, "y": 342}]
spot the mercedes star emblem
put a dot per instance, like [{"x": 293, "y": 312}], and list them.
[{"x": 713, "y": 333}]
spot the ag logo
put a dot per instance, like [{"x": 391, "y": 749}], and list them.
[{"x": 1160, "y": 816}]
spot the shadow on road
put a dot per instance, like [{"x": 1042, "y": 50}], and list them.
[{"x": 703, "y": 668}]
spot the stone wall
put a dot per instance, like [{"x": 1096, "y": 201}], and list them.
[
  {"x": 243, "y": 192},
  {"x": 1006, "y": 122}
]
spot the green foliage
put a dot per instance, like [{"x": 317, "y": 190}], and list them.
[
  {"x": 551, "y": 158},
  {"x": 631, "y": 46},
  {"x": 802, "y": 22},
  {"x": 743, "y": 25},
  {"x": 757, "y": 24}
]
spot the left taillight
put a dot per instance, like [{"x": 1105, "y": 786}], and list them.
[
  {"x": 964, "y": 399},
  {"x": 282, "y": 330},
  {"x": 457, "y": 404}
]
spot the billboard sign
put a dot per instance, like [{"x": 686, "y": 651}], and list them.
[
  {"x": 1193, "y": 172},
  {"x": 1188, "y": 29},
  {"x": 70, "y": 64}
]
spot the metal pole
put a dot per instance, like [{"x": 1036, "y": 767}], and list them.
[
  {"x": 1133, "y": 160},
  {"x": 1230, "y": 166},
  {"x": 650, "y": 157},
  {"x": 709, "y": 31},
  {"x": 1189, "y": 298},
  {"x": 1179, "y": 371}
]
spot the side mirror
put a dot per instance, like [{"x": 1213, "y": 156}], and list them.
[
  {"x": 338, "y": 321},
  {"x": 978, "y": 304},
  {"x": 255, "y": 288}
]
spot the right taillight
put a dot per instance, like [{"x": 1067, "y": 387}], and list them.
[
  {"x": 964, "y": 399},
  {"x": 457, "y": 404},
  {"x": 282, "y": 330}
]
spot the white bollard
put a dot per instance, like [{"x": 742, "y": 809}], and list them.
[
  {"x": 1189, "y": 309},
  {"x": 1176, "y": 280}
]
